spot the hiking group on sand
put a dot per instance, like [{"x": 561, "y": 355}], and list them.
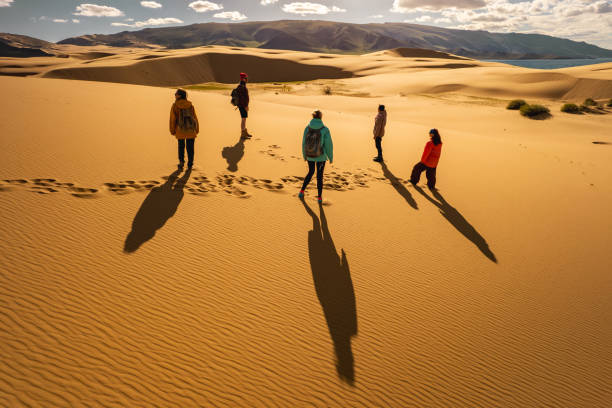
[{"x": 317, "y": 145}]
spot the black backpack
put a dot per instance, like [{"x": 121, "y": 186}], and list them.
[
  {"x": 235, "y": 97},
  {"x": 312, "y": 146}
]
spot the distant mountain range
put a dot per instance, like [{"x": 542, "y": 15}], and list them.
[
  {"x": 22, "y": 46},
  {"x": 335, "y": 37},
  {"x": 330, "y": 37}
]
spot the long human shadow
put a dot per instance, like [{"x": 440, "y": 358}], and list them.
[
  {"x": 159, "y": 206},
  {"x": 398, "y": 186},
  {"x": 334, "y": 287},
  {"x": 459, "y": 222},
  {"x": 233, "y": 155}
]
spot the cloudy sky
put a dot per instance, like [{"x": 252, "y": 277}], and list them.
[{"x": 53, "y": 20}]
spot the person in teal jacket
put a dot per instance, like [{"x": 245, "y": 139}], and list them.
[{"x": 315, "y": 127}]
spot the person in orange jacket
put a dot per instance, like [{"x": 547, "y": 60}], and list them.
[
  {"x": 429, "y": 160},
  {"x": 184, "y": 126}
]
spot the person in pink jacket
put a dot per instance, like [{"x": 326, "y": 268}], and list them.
[{"x": 429, "y": 160}]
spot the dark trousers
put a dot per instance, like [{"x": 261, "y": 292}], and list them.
[
  {"x": 311, "y": 169},
  {"x": 190, "y": 150},
  {"x": 430, "y": 173},
  {"x": 378, "y": 142}
]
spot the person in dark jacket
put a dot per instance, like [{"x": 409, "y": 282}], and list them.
[
  {"x": 429, "y": 160},
  {"x": 184, "y": 126},
  {"x": 379, "y": 131},
  {"x": 243, "y": 104}
]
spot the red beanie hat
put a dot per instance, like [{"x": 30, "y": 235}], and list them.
[{"x": 243, "y": 75}]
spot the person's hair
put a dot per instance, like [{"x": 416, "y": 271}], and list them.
[
  {"x": 317, "y": 114},
  {"x": 381, "y": 107},
  {"x": 436, "y": 139},
  {"x": 181, "y": 93}
]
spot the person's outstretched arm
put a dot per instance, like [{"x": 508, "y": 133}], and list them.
[
  {"x": 196, "y": 119},
  {"x": 377, "y": 121},
  {"x": 304, "y": 143},
  {"x": 328, "y": 146},
  {"x": 172, "y": 121},
  {"x": 426, "y": 152}
]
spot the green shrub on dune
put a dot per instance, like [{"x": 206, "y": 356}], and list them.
[
  {"x": 570, "y": 108},
  {"x": 516, "y": 104},
  {"x": 589, "y": 102},
  {"x": 609, "y": 105},
  {"x": 534, "y": 110}
]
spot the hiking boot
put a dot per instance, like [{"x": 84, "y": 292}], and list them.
[{"x": 181, "y": 165}]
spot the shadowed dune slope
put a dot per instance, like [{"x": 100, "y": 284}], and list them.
[
  {"x": 208, "y": 67},
  {"x": 419, "y": 53}
]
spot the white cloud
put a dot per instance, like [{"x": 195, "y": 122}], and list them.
[
  {"x": 59, "y": 20},
  {"x": 150, "y": 4},
  {"x": 303, "y": 9},
  {"x": 423, "y": 19},
  {"x": 150, "y": 22},
  {"x": 377, "y": 16},
  {"x": 76, "y": 21},
  {"x": 266, "y": 2},
  {"x": 579, "y": 20},
  {"x": 94, "y": 10},
  {"x": 603, "y": 7},
  {"x": 232, "y": 15},
  {"x": 129, "y": 19},
  {"x": 203, "y": 6},
  {"x": 408, "y": 6},
  {"x": 491, "y": 18},
  {"x": 5, "y": 3}
]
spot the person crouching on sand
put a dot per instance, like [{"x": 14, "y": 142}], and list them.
[
  {"x": 317, "y": 148},
  {"x": 379, "y": 131},
  {"x": 429, "y": 160},
  {"x": 243, "y": 104},
  {"x": 184, "y": 126}
]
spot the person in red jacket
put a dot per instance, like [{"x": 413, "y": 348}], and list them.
[{"x": 429, "y": 160}]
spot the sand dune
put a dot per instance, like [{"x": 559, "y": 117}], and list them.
[
  {"x": 207, "y": 67},
  {"x": 490, "y": 81},
  {"x": 93, "y": 55},
  {"x": 126, "y": 283},
  {"x": 418, "y": 53},
  {"x": 390, "y": 73}
]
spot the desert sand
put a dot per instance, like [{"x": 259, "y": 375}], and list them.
[{"x": 126, "y": 283}]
